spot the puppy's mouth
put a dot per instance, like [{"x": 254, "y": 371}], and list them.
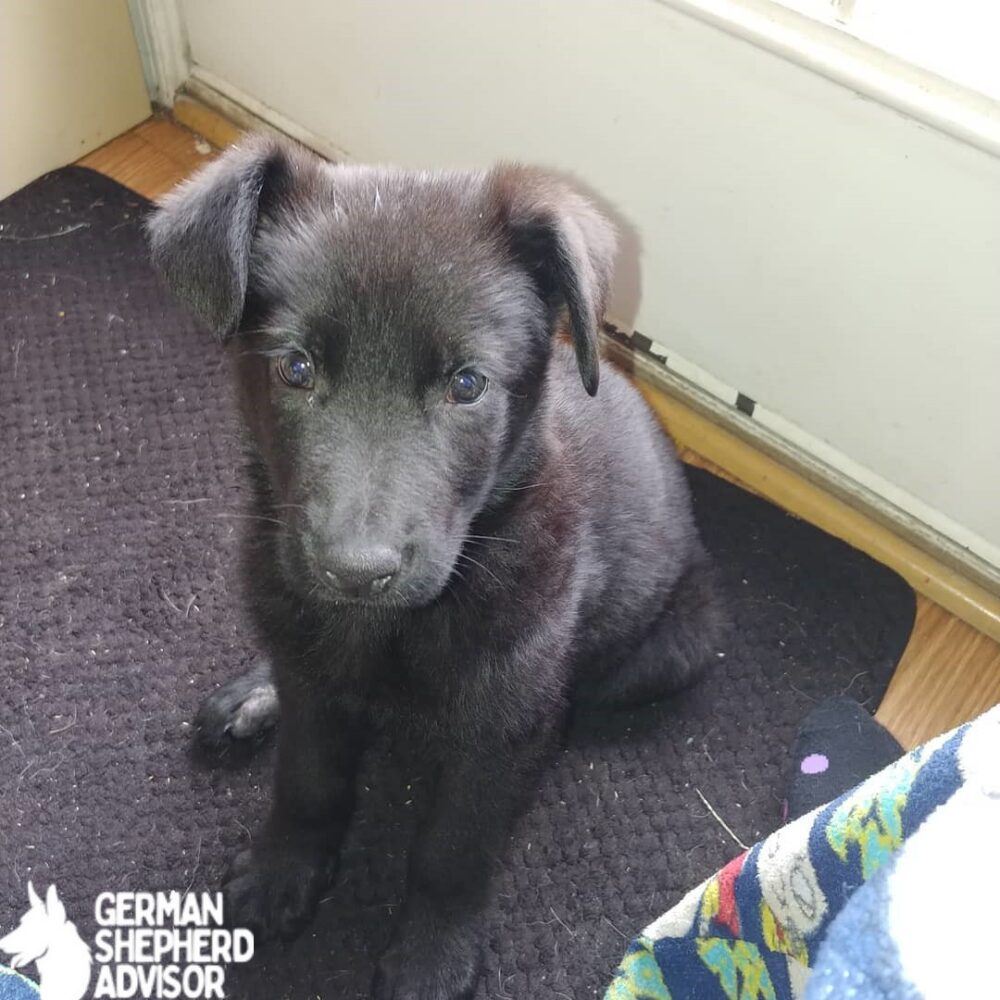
[
  {"x": 385, "y": 594},
  {"x": 414, "y": 582},
  {"x": 405, "y": 593}
]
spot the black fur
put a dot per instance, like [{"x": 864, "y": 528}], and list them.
[{"x": 542, "y": 542}]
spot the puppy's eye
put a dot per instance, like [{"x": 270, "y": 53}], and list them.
[
  {"x": 296, "y": 370},
  {"x": 467, "y": 386}
]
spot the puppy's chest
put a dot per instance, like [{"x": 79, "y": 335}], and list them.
[
  {"x": 448, "y": 678},
  {"x": 432, "y": 693},
  {"x": 424, "y": 696}
]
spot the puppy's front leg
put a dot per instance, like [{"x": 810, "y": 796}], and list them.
[
  {"x": 274, "y": 887},
  {"x": 435, "y": 952}
]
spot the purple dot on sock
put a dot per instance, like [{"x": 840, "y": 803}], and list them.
[{"x": 815, "y": 763}]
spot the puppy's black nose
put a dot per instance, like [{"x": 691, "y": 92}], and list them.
[{"x": 362, "y": 572}]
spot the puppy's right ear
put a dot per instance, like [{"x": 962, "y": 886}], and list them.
[
  {"x": 201, "y": 232},
  {"x": 567, "y": 247}
]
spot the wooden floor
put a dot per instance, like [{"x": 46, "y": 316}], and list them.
[{"x": 949, "y": 673}]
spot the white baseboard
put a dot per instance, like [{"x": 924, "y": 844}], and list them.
[
  {"x": 815, "y": 460},
  {"x": 249, "y": 113}
]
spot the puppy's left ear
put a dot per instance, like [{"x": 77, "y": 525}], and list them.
[{"x": 566, "y": 245}]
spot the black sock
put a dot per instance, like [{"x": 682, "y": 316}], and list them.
[{"x": 838, "y": 746}]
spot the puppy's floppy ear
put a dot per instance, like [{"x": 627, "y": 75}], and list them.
[
  {"x": 201, "y": 233},
  {"x": 566, "y": 245}
]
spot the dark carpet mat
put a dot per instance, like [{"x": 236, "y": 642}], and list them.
[{"x": 120, "y": 500}]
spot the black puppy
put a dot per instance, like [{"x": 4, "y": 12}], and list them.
[{"x": 455, "y": 537}]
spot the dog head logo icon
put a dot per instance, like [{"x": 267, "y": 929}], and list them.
[{"x": 44, "y": 936}]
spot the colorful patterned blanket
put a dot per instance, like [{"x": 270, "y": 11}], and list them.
[{"x": 786, "y": 920}]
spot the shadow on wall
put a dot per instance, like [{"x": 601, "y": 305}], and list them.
[{"x": 626, "y": 286}]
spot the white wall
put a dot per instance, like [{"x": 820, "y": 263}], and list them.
[
  {"x": 825, "y": 255},
  {"x": 70, "y": 80}
]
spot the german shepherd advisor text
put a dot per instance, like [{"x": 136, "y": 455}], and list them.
[{"x": 456, "y": 535}]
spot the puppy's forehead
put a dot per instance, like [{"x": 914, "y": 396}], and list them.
[
  {"x": 368, "y": 223},
  {"x": 441, "y": 198},
  {"x": 380, "y": 250}
]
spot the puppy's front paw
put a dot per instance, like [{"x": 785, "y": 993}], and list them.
[
  {"x": 426, "y": 962},
  {"x": 242, "y": 708},
  {"x": 275, "y": 894}
]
